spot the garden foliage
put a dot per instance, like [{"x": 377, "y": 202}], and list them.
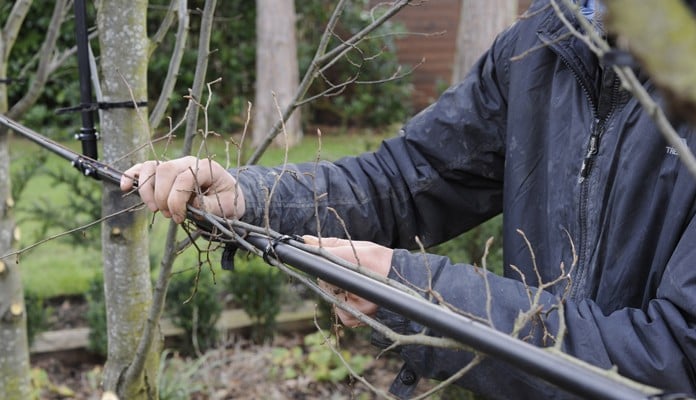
[
  {"x": 194, "y": 305},
  {"x": 257, "y": 288}
]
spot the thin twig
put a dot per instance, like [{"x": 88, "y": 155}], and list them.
[
  {"x": 163, "y": 28},
  {"x": 478, "y": 357},
  {"x": 174, "y": 62},
  {"x": 42, "y": 71},
  {"x": 321, "y": 58},
  {"x": 74, "y": 230},
  {"x": 355, "y": 375}
]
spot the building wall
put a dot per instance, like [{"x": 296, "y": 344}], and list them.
[{"x": 431, "y": 45}]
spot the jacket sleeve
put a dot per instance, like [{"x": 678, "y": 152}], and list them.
[
  {"x": 654, "y": 345},
  {"x": 483, "y": 297},
  {"x": 440, "y": 177}
]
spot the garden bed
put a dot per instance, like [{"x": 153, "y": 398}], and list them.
[
  {"x": 64, "y": 369},
  {"x": 240, "y": 370}
]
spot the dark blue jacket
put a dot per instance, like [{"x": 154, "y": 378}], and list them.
[{"x": 540, "y": 132}]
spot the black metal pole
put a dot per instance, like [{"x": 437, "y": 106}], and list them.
[
  {"x": 87, "y": 165},
  {"x": 88, "y": 134}
]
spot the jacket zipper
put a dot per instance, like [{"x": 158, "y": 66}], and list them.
[
  {"x": 580, "y": 275},
  {"x": 592, "y": 148},
  {"x": 577, "y": 275},
  {"x": 598, "y": 127}
]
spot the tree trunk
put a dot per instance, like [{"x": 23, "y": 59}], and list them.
[
  {"x": 14, "y": 349},
  {"x": 277, "y": 72},
  {"x": 127, "y": 284},
  {"x": 479, "y": 23}
]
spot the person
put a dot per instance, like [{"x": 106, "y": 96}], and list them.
[{"x": 599, "y": 212}]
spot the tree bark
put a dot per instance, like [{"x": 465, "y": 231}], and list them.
[
  {"x": 479, "y": 23},
  {"x": 127, "y": 285},
  {"x": 14, "y": 348},
  {"x": 277, "y": 71}
]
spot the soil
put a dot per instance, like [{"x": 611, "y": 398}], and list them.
[{"x": 236, "y": 370}]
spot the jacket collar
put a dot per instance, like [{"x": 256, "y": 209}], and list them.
[{"x": 577, "y": 56}]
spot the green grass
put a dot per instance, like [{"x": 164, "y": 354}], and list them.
[{"x": 57, "y": 267}]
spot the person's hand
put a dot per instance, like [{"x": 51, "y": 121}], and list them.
[
  {"x": 169, "y": 186},
  {"x": 369, "y": 255}
]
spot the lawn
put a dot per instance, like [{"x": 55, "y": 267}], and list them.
[{"x": 64, "y": 267}]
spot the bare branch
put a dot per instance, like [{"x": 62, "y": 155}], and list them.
[
  {"x": 283, "y": 169},
  {"x": 68, "y": 232},
  {"x": 489, "y": 297},
  {"x": 333, "y": 90},
  {"x": 329, "y": 343},
  {"x": 541, "y": 46},
  {"x": 317, "y": 196},
  {"x": 13, "y": 25},
  {"x": 454, "y": 378},
  {"x": 355, "y": 39},
  {"x": 203, "y": 151},
  {"x": 174, "y": 63},
  {"x": 46, "y": 53},
  {"x": 396, "y": 338},
  {"x": 321, "y": 58},
  {"x": 96, "y": 84},
  {"x": 136, "y": 367},
  {"x": 150, "y": 143},
  {"x": 535, "y": 295},
  {"x": 60, "y": 57},
  {"x": 200, "y": 72},
  {"x": 328, "y": 31},
  {"x": 167, "y": 21},
  {"x": 610, "y": 373}
]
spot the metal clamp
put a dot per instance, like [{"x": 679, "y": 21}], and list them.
[{"x": 270, "y": 247}]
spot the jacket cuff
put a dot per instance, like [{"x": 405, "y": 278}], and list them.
[{"x": 254, "y": 196}]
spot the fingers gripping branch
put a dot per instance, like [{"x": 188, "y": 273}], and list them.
[{"x": 170, "y": 186}]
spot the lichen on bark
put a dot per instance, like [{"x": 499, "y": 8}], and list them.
[{"x": 125, "y": 251}]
